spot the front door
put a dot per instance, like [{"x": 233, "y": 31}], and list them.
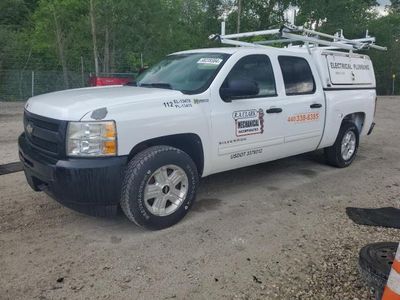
[{"x": 247, "y": 129}]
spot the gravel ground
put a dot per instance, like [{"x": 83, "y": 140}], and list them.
[
  {"x": 272, "y": 231},
  {"x": 10, "y": 128}
]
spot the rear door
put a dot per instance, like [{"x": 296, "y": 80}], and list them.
[{"x": 303, "y": 104}]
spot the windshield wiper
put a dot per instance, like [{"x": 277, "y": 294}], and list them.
[{"x": 160, "y": 85}]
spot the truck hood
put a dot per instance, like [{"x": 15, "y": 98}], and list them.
[{"x": 72, "y": 105}]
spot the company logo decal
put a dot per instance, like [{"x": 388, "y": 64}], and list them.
[
  {"x": 249, "y": 122},
  {"x": 347, "y": 66}
]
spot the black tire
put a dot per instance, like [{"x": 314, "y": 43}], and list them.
[
  {"x": 333, "y": 154},
  {"x": 375, "y": 262},
  {"x": 138, "y": 173}
]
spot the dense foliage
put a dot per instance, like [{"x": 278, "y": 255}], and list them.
[{"x": 67, "y": 35}]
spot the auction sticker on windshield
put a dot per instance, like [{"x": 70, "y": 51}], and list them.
[{"x": 210, "y": 61}]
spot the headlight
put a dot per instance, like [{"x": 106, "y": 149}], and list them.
[{"x": 91, "y": 139}]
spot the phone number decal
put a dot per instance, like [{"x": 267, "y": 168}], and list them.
[{"x": 300, "y": 118}]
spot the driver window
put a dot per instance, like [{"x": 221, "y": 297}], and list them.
[{"x": 256, "y": 68}]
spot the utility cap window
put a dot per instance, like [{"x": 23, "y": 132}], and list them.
[
  {"x": 297, "y": 75},
  {"x": 252, "y": 70}
]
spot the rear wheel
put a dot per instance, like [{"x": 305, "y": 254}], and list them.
[
  {"x": 344, "y": 151},
  {"x": 159, "y": 187}
]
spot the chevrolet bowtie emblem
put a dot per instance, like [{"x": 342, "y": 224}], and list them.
[{"x": 29, "y": 128}]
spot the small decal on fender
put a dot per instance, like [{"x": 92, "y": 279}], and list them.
[{"x": 178, "y": 103}]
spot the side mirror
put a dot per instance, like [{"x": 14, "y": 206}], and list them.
[{"x": 238, "y": 88}]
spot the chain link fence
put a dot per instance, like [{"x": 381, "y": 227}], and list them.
[{"x": 19, "y": 85}]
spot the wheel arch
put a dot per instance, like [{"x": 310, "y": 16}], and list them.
[
  {"x": 358, "y": 118},
  {"x": 190, "y": 143}
]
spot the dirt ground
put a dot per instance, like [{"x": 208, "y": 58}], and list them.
[
  {"x": 10, "y": 128},
  {"x": 272, "y": 231}
]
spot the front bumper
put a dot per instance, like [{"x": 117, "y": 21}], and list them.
[{"x": 91, "y": 186}]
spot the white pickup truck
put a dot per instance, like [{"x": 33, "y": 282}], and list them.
[{"x": 144, "y": 146}]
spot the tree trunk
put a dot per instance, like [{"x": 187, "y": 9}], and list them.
[
  {"x": 239, "y": 15},
  {"x": 106, "y": 66},
  {"x": 60, "y": 46},
  {"x": 112, "y": 56},
  {"x": 93, "y": 25}
]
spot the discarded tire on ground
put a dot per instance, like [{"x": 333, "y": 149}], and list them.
[{"x": 375, "y": 262}]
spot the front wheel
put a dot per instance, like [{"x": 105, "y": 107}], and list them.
[
  {"x": 344, "y": 151},
  {"x": 159, "y": 187}
]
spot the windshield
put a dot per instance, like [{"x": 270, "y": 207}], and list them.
[{"x": 189, "y": 73}]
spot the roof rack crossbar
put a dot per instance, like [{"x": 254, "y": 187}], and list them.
[
  {"x": 338, "y": 37},
  {"x": 289, "y": 33},
  {"x": 251, "y": 34},
  {"x": 271, "y": 42},
  {"x": 317, "y": 41},
  {"x": 239, "y": 43}
]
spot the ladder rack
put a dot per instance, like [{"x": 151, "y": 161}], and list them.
[{"x": 289, "y": 33}]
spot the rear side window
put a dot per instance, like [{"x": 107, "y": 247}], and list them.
[
  {"x": 258, "y": 68},
  {"x": 297, "y": 75}
]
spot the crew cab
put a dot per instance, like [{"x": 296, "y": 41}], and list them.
[{"x": 144, "y": 146}]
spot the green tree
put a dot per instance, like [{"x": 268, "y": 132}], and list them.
[
  {"x": 14, "y": 15},
  {"x": 352, "y": 16},
  {"x": 395, "y": 6},
  {"x": 387, "y": 31},
  {"x": 57, "y": 34},
  {"x": 58, "y": 25},
  {"x": 258, "y": 15}
]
